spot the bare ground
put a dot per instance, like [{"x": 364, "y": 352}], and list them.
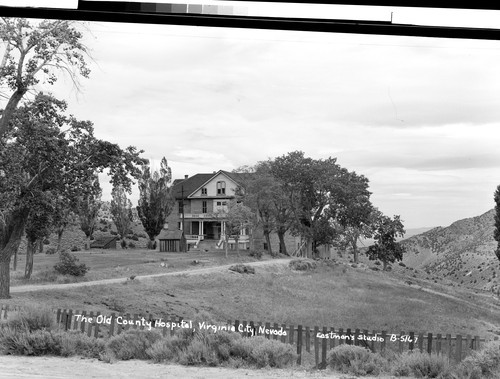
[{"x": 58, "y": 368}]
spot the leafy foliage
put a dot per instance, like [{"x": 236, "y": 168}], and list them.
[
  {"x": 155, "y": 201},
  {"x": 68, "y": 265},
  {"x": 385, "y": 248},
  {"x": 121, "y": 211}
]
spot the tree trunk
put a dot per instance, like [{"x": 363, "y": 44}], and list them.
[
  {"x": 355, "y": 252},
  {"x": 14, "y": 265},
  {"x": 385, "y": 265},
  {"x": 267, "y": 235},
  {"x": 5, "y": 279},
  {"x": 59, "y": 239},
  {"x": 9, "y": 246},
  {"x": 236, "y": 241},
  {"x": 281, "y": 237},
  {"x": 9, "y": 111},
  {"x": 40, "y": 245},
  {"x": 151, "y": 244},
  {"x": 87, "y": 243},
  {"x": 226, "y": 245},
  {"x": 30, "y": 252}
]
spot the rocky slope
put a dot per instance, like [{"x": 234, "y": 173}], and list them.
[{"x": 462, "y": 253}]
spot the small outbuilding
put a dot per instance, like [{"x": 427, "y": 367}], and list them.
[
  {"x": 104, "y": 243},
  {"x": 172, "y": 241}
]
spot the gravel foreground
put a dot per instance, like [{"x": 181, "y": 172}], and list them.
[{"x": 57, "y": 368}]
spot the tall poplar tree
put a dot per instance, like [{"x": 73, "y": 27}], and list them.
[{"x": 155, "y": 200}]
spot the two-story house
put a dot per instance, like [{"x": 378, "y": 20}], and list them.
[{"x": 200, "y": 203}]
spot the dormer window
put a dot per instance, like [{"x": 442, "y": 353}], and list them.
[
  {"x": 221, "y": 188},
  {"x": 204, "y": 191}
]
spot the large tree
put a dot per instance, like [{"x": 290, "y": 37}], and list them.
[
  {"x": 34, "y": 52},
  {"x": 353, "y": 213},
  {"x": 47, "y": 152},
  {"x": 121, "y": 212},
  {"x": 87, "y": 207},
  {"x": 155, "y": 200},
  {"x": 311, "y": 187},
  {"x": 386, "y": 249},
  {"x": 496, "y": 233}
]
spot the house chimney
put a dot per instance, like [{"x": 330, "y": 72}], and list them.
[{"x": 186, "y": 176}]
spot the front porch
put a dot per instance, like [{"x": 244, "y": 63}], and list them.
[{"x": 198, "y": 231}]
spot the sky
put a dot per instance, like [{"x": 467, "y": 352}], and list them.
[{"x": 419, "y": 117}]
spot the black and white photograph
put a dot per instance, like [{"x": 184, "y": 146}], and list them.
[{"x": 209, "y": 202}]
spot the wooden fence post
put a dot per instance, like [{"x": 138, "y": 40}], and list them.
[
  {"x": 290, "y": 336},
  {"x": 283, "y": 337},
  {"x": 323, "y": 348},
  {"x": 96, "y": 328},
  {"x": 308, "y": 339},
  {"x": 384, "y": 339},
  {"x": 89, "y": 330},
  {"x": 429, "y": 343},
  {"x": 458, "y": 348},
  {"x": 400, "y": 343},
  {"x": 316, "y": 346},
  {"x": 268, "y": 326},
  {"x": 275, "y": 327},
  {"x": 341, "y": 332},
  {"x": 299, "y": 344},
  {"x": 450, "y": 352},
  {"x": 438, "y": 344},
  {"x": 421, "y": 342}
]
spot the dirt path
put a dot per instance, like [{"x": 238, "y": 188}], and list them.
[
  {"x": 15, "y": 367},
  {"x": 199, "y": 271}
]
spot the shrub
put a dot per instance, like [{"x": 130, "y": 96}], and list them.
[
  {"x": 420, "y": 365},
  {"x": 272, "y": 353},
  {"x": 302, "y": 264},
  {"x": 131, "y": 245},
  {"x": 31, "y": 319},
  {"x": 51, "y": 251},
  {"x": 75, "y": 248},
  {"x": 484, "y": 363},
  {"x": 256, "y": 254},
  {"x": 242, "y": 269},
  {"x": 134, "y": 237},
  {"x": 38, "y": 342},
  {"x": 76, "y": 343},
  {"x": 123, "y": 244},
  {"x": 132, "y": 344},
  {"x": 355, "y": 360},
  {"x": 68, "y": 265}
]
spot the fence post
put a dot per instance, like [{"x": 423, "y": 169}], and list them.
[
  {"x": 299, "y": 344},
  {"x": 450, "y": 352},
  {"x": 458, "y": 348},
  {"x": 268, "y": 326},
  {"x": 476, "y": 344},
  {"x": 323, "y": 348},
  {"x": 356, "y": 334},
  {"x": 89, "y": 330},
  {"x": 332, "y": 340},
  {"x": 316, "y": 347},
  {"x": 384, "y": 338},
  {"x": 292, "y": 332},
  {"x": 412, "y": 341},
  {"x": 308, "y": 339},
  {"x": 349, "y": 341},
  {"x": 82, "y": 324},
  {"x": 400, "y": 343},
  {"x": 96, "y": 328},
  {"x": 421, "y": 342},
  {"x": 467, "y": 345},
  {"x": 275, "y": 327},
  {"x": 341, "y": 332},
  {"x": 438, "y": 344},
  {"x": 283, "y": 337},
  {"x": 429, "y": 343},
  {"x": 112, "y": 325}
]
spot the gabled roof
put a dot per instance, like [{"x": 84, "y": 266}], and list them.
[
  {"x": 197, "y": 181},
  {"x": 166, "y": 234}
]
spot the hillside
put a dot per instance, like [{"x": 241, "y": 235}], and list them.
[{"x": 462, "y": 253}]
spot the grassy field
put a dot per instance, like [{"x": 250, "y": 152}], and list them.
[
  {"x": 105, "y": 264},
  {"x": 334, "y": 295}
]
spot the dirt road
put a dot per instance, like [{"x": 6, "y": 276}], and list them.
[
  {"x": 199, "y": 271},
  {"x": 16, "y": 367}
]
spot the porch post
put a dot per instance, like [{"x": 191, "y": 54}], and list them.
[{"x": 202, "y": 231}]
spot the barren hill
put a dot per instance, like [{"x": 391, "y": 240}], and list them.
[{"x": 462, "y": 253}]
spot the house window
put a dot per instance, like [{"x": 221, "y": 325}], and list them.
[
  {"x": 221, "y": 188},
  {"x": 204, "y": 191},
  {"x": 181, "y": 206},
  {"x": 204, "y": 207}
]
